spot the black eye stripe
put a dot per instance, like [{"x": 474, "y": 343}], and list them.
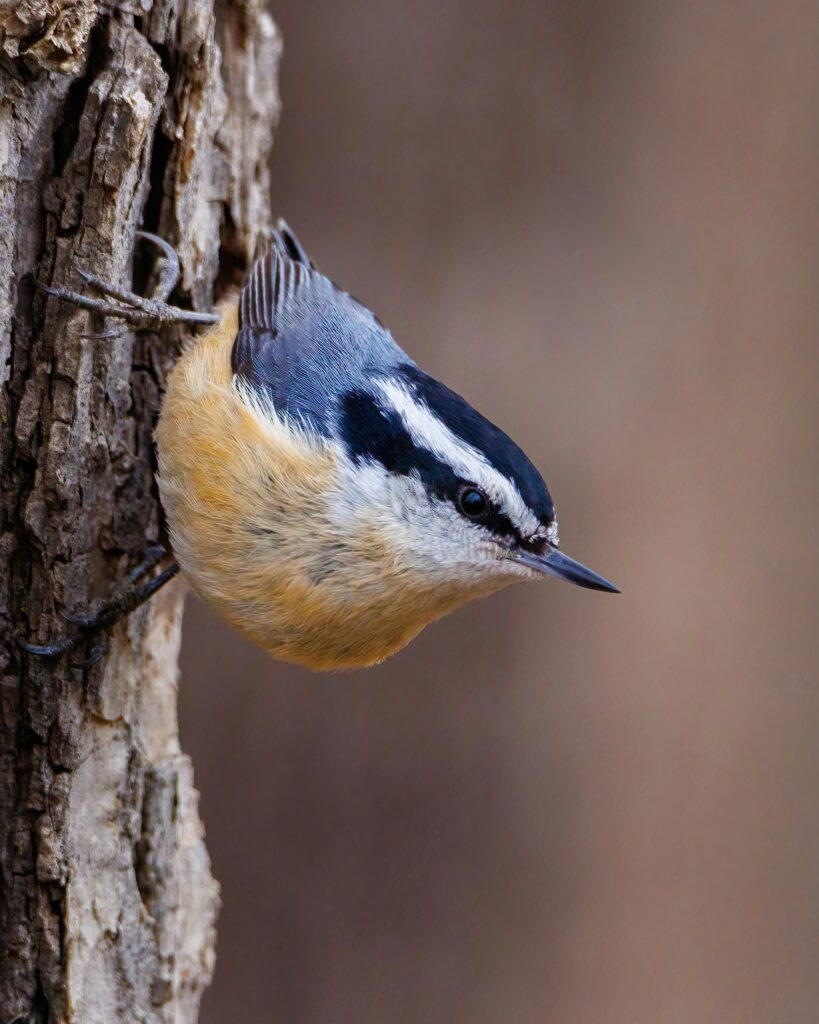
[
  {"x": 500, "y": 524},
  {"x": 474, "y": 429},
  {"x": 370, "y": 431}
]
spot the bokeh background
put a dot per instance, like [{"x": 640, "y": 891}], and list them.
[{"x": 599, "y": 222}]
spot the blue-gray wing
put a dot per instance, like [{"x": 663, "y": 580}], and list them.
[{"x": 302, "y": 341}]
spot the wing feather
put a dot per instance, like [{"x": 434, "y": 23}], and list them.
[{"x": 303, "y": 341}]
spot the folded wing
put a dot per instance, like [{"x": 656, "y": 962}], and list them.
[{"x": 302, "y": 341}]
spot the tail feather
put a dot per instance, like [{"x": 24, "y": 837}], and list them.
[
  {"x": 288, "y": 244},
  {"x": 283, "y": 240}
]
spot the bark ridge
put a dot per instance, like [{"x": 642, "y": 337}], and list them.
[{"x": 112, "y": 118}]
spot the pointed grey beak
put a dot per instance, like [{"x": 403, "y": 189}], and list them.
[{"x": 555, "y": 563}]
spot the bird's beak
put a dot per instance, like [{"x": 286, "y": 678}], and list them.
[{"x": 555, "y": 563}]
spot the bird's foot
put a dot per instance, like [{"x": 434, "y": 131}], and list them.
[
  {"x": 106, "y": 612},
  {"x": 139, "y": 312}
]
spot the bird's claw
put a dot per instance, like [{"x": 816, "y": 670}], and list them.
[
  {"x": 139, "y": 312},
  {"x": 114, "y": 332},
  {"x": 54, "y": 650},
  {"x": 105, "y": 612},
  {"x": 98, "y": 652}
]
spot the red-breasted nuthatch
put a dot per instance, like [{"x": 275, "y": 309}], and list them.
[{"x": 324, "y": 494}]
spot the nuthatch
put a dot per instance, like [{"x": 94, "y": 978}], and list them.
[{"x": 324, "y": 494}]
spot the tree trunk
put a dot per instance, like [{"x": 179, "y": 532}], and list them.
[{"x": 161, "y": 118}]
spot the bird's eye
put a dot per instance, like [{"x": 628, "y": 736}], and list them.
[{"x": 472, "y": 502}]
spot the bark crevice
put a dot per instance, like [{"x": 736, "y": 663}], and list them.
[{"x": 107, "y": 904}]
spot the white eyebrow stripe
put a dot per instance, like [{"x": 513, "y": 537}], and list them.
[{"x": 429, "y": 432}]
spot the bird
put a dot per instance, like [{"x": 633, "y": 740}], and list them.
[{"x": 323, "y": 493}]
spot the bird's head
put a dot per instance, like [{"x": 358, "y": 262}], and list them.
[{"x": 460, "y": 504}]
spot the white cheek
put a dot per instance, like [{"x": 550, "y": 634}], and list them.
[
  {"x": 427, "y": 535},
  {"x": 434, "y": 535},
  {"x": 362, "y": 487}
]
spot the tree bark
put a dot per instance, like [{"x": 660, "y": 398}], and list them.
[{"x": 160, "y": 117}]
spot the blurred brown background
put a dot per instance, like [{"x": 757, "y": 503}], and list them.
[{"x": 599, "y": 222}]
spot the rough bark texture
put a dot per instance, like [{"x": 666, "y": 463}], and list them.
[{"x": 161, "y": 118}]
